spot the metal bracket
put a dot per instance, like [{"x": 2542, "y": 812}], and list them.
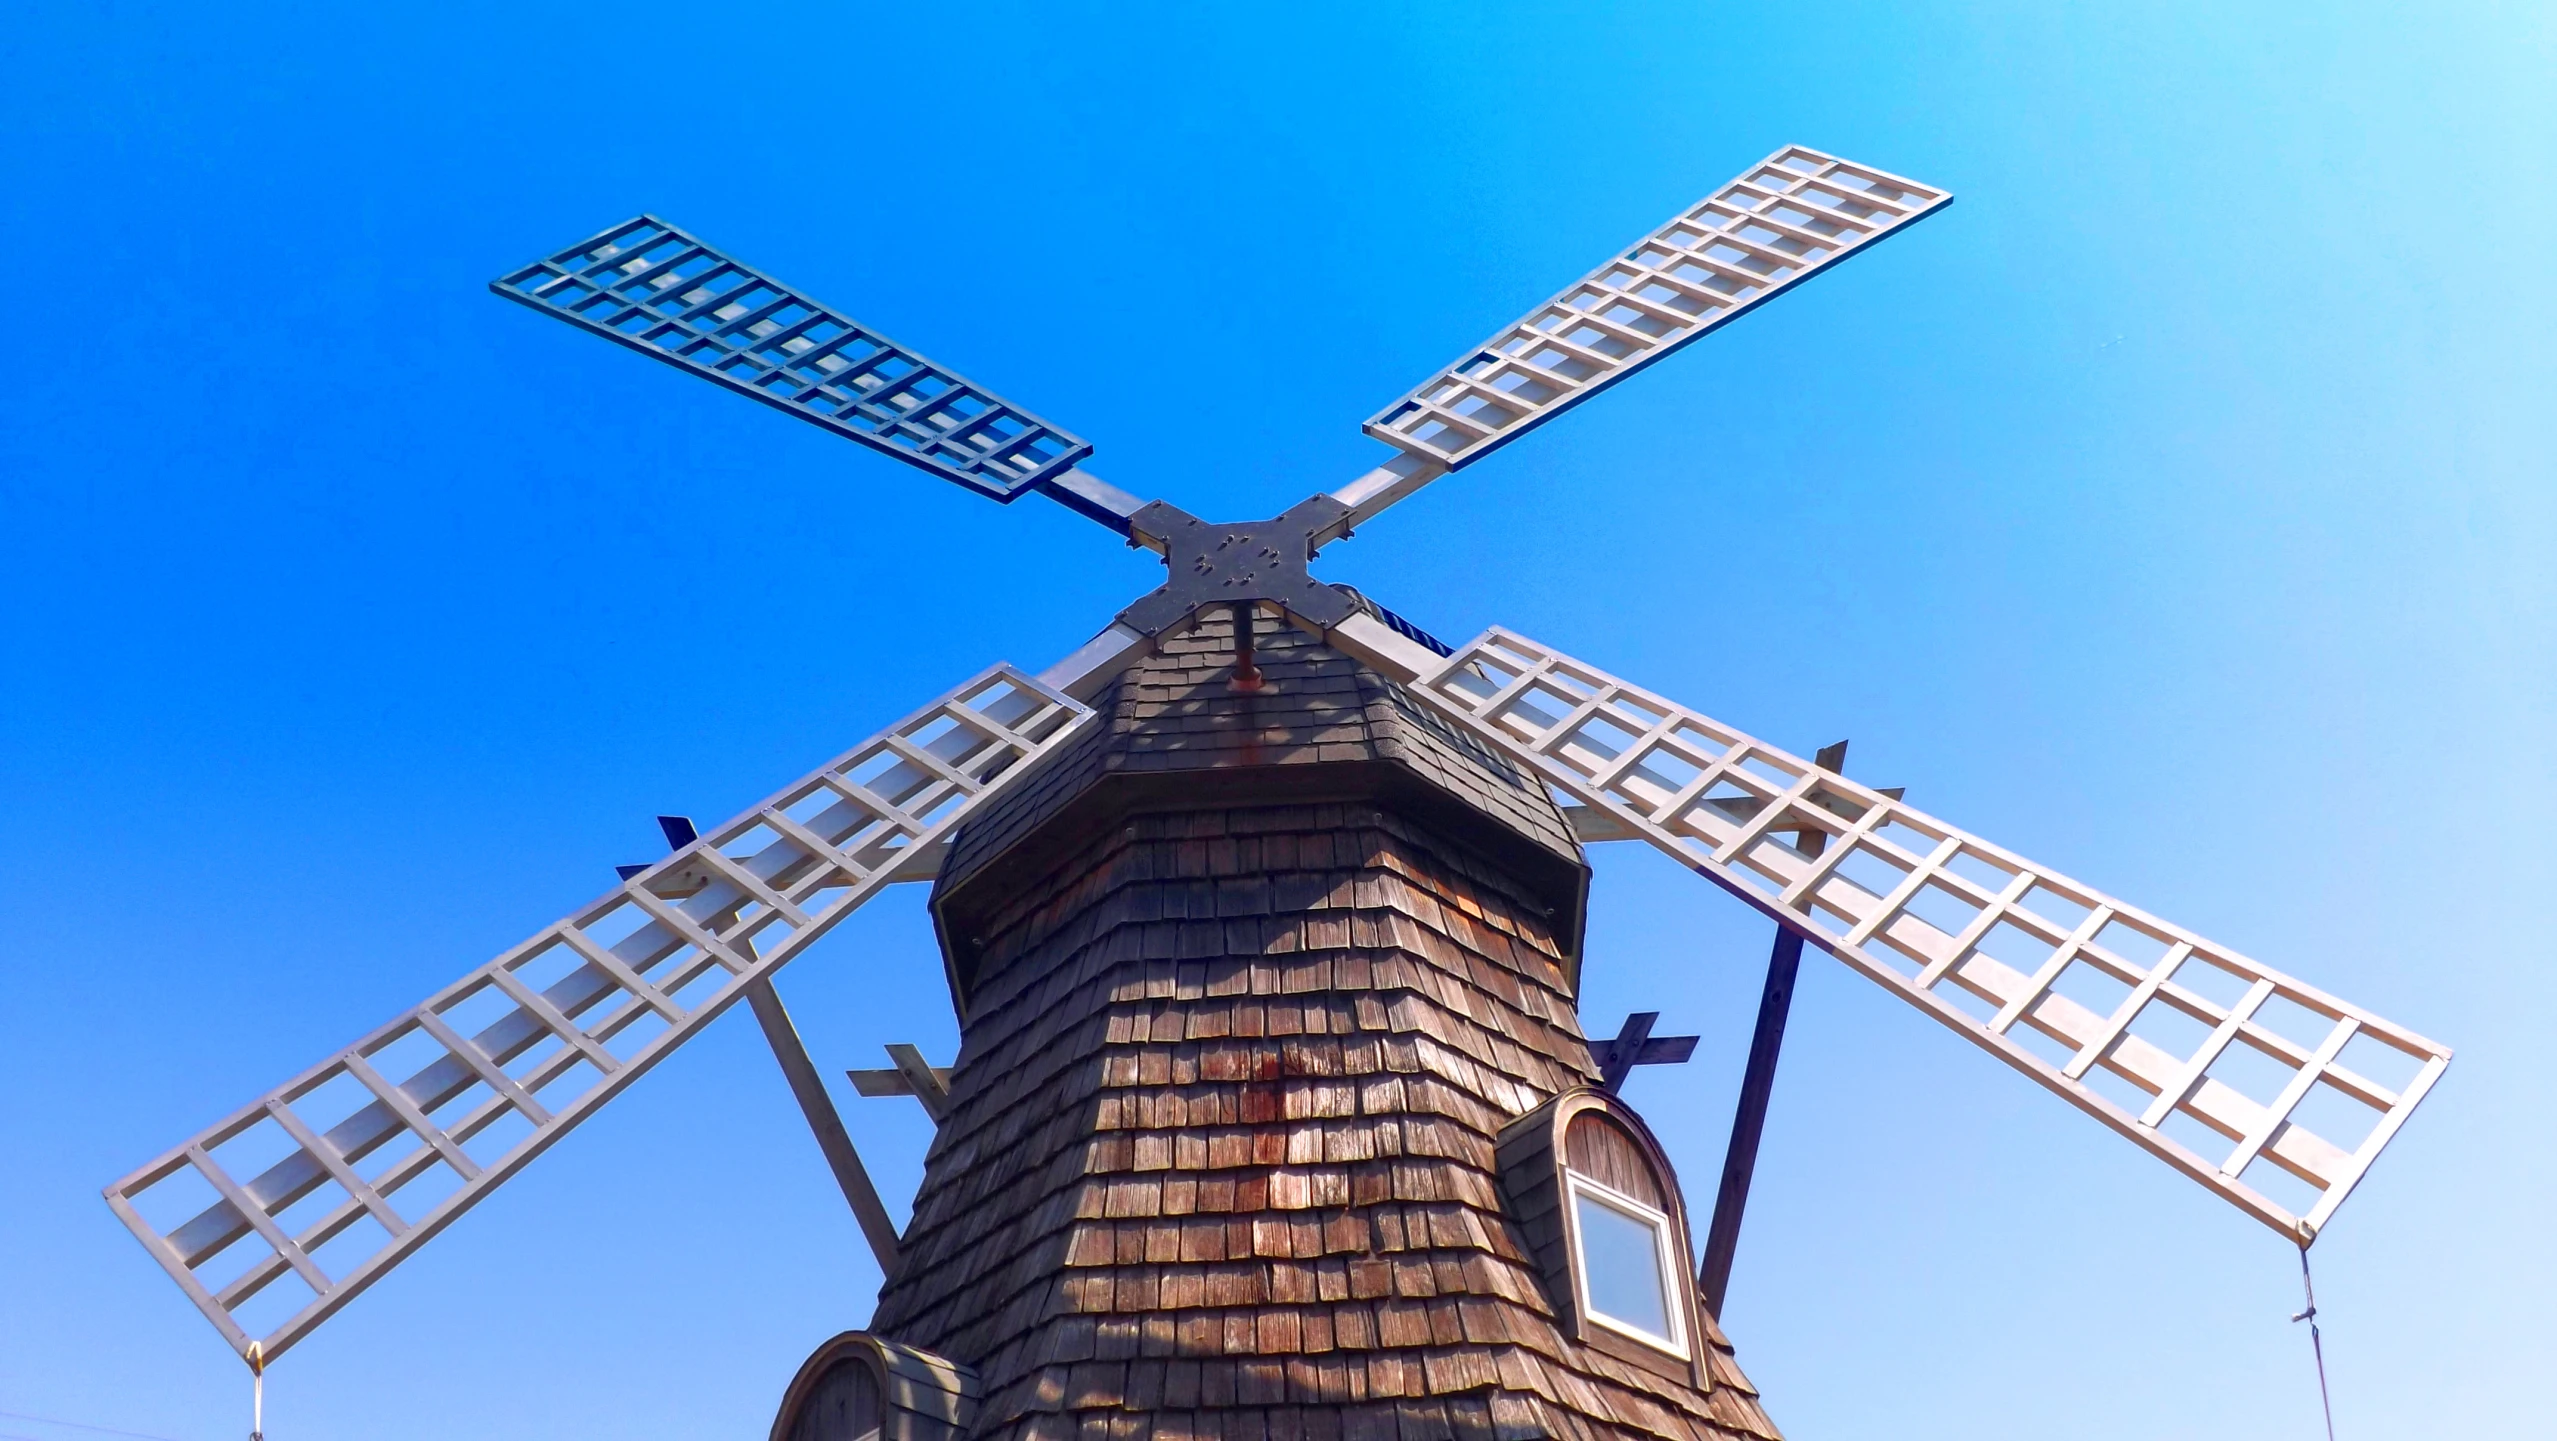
[{"x": 1252, "y": 560}]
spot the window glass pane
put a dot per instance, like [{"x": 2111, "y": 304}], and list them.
[{"x": 1620, "y": 1264}]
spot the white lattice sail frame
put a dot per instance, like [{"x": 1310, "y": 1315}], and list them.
[
  {"x": 1784, "y": 220},
  {"x": 499, "y": 1065},
  {"x": 2057, "y": 979}
]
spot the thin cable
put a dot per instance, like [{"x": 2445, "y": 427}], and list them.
[
  {"x": 2316, "y": 1344},
  {"x": 256, "y": 1391}
]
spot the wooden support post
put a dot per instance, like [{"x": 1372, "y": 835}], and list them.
[
  {"x": 1722, "y": 1240},
  {"x": 1766, "y": 1043},
  {"x": 831, "y": 1136}
]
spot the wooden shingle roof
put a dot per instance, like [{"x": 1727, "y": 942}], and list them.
[{"x": 1173, "y": 737}]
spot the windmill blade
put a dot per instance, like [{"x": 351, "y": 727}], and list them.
[
  {"x": 1787, "y": 218},
  {"x": 1783, "y": 221},
  {"x": 2225, "y": 1068},
  {"x": 321, "y": 1186},
  {"x": 663, "y": 293}
]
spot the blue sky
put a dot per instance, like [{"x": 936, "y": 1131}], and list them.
[{"x": 2175, "y": 509}]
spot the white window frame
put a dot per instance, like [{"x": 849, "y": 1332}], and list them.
[{"x": 1665, "y": 1247}]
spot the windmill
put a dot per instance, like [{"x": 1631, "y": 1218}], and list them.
[{"x": 1261, "y": 911}]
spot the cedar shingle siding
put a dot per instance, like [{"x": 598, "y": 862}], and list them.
[{"x": 1239, "y": 1038}]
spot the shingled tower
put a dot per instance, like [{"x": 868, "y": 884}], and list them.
[{"x": 1267, "y": 1047}]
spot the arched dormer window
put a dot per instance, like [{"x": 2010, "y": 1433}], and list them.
[
  {"x": 860, "y": 1387},
  {"x": 1624, "y": 1239},
  {"x": 1599, "y": 1208}
]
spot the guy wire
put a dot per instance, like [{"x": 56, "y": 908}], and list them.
[{"x": 2316, "y": 1344}]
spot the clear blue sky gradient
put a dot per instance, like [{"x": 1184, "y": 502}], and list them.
[{"x": 2176, "y": 509}]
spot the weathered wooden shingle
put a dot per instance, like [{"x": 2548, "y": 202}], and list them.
[{"x": 1235, "y": 1057}]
